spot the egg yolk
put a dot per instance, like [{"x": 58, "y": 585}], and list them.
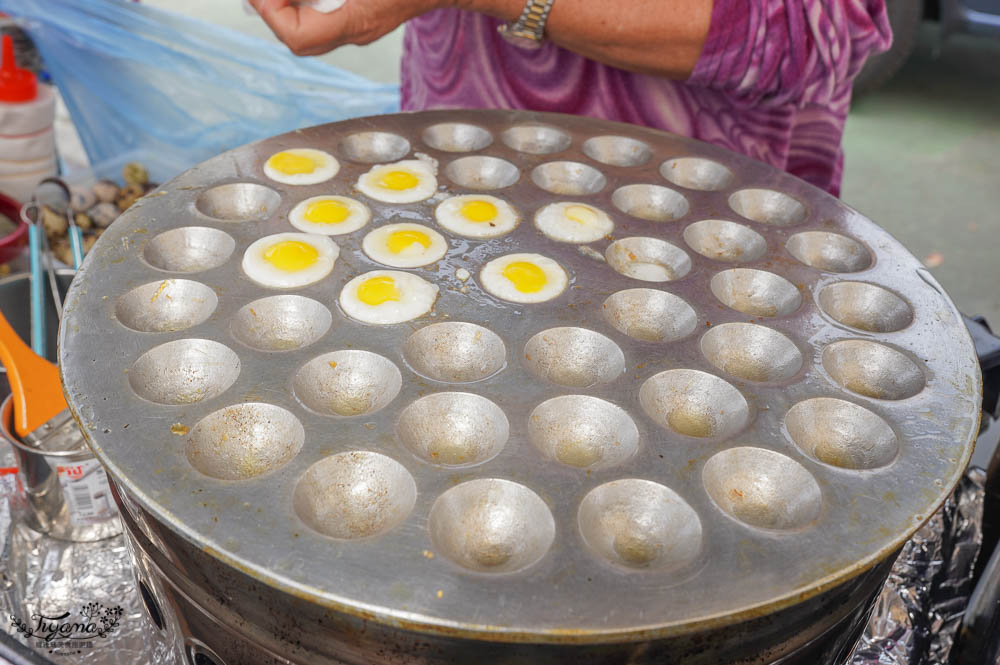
[
  {"x": 398, "y": 180},
  {"x": 582, "y": 215},
  {"x": 291, "y": 164},
  {"x": 526, "y": 277},
  {"x": 401, "y": 240},
  {"x": 378, "y": 290},
  {"x": 327, "y": 212},
  {"x": 291, "y": 255},
  {"x": 479, "y": 211}
]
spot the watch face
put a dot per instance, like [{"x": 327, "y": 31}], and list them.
[{"x": 520, "y": 38}]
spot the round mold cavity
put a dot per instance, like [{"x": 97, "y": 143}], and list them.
[
  {"x": 872, "y": 369},
  {"x": 755, "y": 292},
  {"x": 574, "y": 357},
  {"x": 455, "y": 352},
  {"x": 568, "y": 178},
  {"x": 356, "y": 494},
  {"x": 751, "y": 352},
  {"x": 238, "y": 202},
  {"x": 865, "y": 307},
  {"x": 694, "y": 403},
  {"x": 166, "y": 305},
  {"x": 457, "y": 137},
  {"x": 767, "y": 207},
  {"x": 347, "y": 383},
  {"x": 640, "y": 524},
  {"x": 762, "y": 488},
  {"x": 244, "y": 441},
  {"x": 841, "y": 433},
  {"x": 184, "y": 371},
  {"x": 583, "y": 432},
  {"x": 536, "y": 139},
  {"x": 281, "y": 323},
  {"x": 482, "y": 172},
  {"x": 491, "y": 526},
  {"x": 725, "y": 241},
  {"x": 829, "y": 251},
  {"x": 617, "y": 150},
  {"x": 189, "y": 249},
  {"x": 650, "y": 315},
  {"x": 650, "y": 202},
  {"x": 374, "y": 147},
  {"x": 453, "y": 429},
  {"x": 648, "y": 259},
  {"x": 696, "y": 173}
]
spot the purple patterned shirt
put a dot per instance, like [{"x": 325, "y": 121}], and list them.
[{"x": 773, "y": 80}]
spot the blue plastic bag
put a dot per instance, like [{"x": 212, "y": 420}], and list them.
[{"x": 139, "y": 78}]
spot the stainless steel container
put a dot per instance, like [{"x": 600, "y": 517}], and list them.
[
  {"x": 15, "y": 302},
  {"x": 705, "y": 450},
  {"x": 64, "y": 488}
]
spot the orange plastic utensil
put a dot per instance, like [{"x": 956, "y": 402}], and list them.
[{"x": 34, "y": 382}]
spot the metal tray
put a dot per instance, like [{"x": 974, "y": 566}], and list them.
[{"x": 740, "y": 497}]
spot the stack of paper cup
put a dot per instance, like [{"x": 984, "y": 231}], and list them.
[{"x": 27, "y": 141}]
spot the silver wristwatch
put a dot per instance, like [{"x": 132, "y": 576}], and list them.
[{"x": 528, "y": 31}]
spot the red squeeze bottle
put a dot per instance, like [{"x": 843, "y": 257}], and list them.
[
  {"x": 27, "y": 139},
  {"x": 16, "y": 85}
]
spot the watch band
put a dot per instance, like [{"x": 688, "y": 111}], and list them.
[{"x": 530, "y": 26}]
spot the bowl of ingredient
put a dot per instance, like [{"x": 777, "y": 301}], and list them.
[
  {"x": 94, "y": 204},
  {"x": 13, "y": 232}
]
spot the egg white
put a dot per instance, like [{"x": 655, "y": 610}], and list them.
[
  {"x": 554, "y": 222},
  {"x": 327, "y": 166},
  {"x": 376, "y": 246},
  {"x": 259, "y": 270},
  {"x": 449, "y": 216},
  {"x": 358, "y": 215},
  {"x": 422, "y": 170},
  {"x": 494, "y": 282},
  {"x": 417, "y": 297}
]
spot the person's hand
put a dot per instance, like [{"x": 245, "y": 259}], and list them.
[{"x": 308, "y": 32}]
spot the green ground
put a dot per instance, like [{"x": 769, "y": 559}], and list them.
[{"x": 923, "y": 160}]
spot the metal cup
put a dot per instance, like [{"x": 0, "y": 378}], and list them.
[
  {"x": 66, "y": 491},
  {"x": 58, "y": 443}
]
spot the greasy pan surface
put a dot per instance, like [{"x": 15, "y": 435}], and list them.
[{"x": 766, "y": 435}]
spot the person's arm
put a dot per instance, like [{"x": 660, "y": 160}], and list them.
[
  {"x": 662, "y": 37},
  {"x": 761, "y": 52}
]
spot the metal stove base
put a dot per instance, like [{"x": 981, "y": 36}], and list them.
[{"x": 193, "y": 598}]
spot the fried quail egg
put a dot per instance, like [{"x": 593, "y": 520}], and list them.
[
  {"x": 476, "y": 216},
  {"x": 290, "y": 260},
  {"x": 408, "y": 181},
  {"x": 384, "y": 297},
  {"x": 573, "y": 222},
  {"x": 301, "y": 166},
  {"x": 404, "y": 245},
  {"x": 329, "y": 215},
  {"x": 524, "y": 278}
]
